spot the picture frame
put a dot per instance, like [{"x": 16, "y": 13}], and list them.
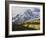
[{"x": 14, "y": 6}]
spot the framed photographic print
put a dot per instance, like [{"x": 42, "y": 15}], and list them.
[{"x": 24, "y": 18}]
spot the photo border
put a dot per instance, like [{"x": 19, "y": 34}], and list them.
[{"x": 7, "y": 18}]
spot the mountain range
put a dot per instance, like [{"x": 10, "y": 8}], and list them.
[{"x": 27, "y": 15}]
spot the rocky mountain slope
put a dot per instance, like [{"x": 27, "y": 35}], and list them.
[{"x": 27, "y": 16}]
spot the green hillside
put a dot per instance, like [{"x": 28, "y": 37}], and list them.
[{"x": 33, "y": 25}]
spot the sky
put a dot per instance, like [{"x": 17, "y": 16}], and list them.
[{"x": 21, "y": 10}]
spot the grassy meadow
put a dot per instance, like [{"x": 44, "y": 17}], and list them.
[{"x": 33, "y": 25}]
